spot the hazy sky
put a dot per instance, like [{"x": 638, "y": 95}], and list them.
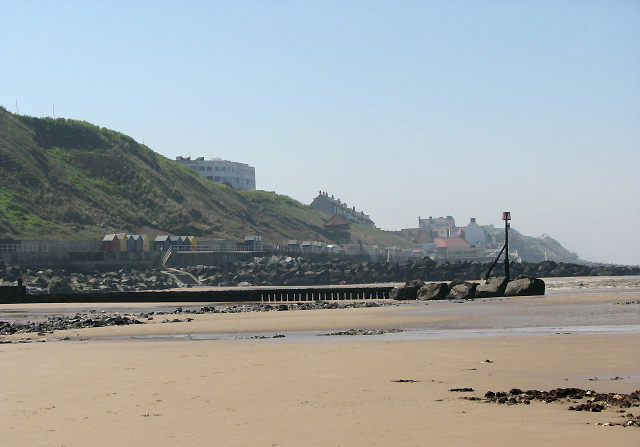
[{"x": 399, "y": 108}]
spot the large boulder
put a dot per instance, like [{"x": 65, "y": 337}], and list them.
[
  {"x": 525, "y": 286},
  {"x": 407, "y": 292},
  {"x": 433, "y": 291},
  {"x": 60, "y": 287},
  {"x": 462, "y": 290},
  {"x": 492, "y": 287}
]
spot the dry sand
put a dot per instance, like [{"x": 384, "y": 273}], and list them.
[{"x": 328, "y": 391}]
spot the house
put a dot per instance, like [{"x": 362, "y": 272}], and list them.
[
  {"x": 417, "y": 235},
  {"x": 338, "y": 229},
  {"x": 457, "y": 248},
  {"x": 438, "y": 227},
  {"x": 475, "y": 234},
  {"x": 330, "y": 205}
]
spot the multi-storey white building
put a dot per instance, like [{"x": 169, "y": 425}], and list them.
[{"x": 239, "y": 175}]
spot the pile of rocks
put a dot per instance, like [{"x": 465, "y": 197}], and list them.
[
  {"x": 581, "y": 400},
  {"x": 308, "y": 305},
  {"x": 463, "y": 290},
  {"x": 287, "y": 271},
  {"x": 58, "y": 323},
  {"x": 299, "y": 271},
  {"x": 60, "y": 281},
  {"x": 85, "y": 320},
  {"x": 352, "y": 332}
]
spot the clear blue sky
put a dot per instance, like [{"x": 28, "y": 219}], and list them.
[{"x": 400, "y": 108}]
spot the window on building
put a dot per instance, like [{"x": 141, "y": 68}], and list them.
[
  {"x": 216, "y": 178},
  {"x": 217, "y": 168},
  {"x": 224, "y": 168},
  {"x": 208, "y": 168},
  {"x": 200, "y": 168},
  {"x": 209, "y": 177}
]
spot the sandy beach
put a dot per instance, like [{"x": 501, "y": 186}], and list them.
[{"x": 207, "y": 382}]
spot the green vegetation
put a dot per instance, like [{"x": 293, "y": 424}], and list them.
[
  {"x": 70, "y": 179},
  {"x": 17, "y": 218}
]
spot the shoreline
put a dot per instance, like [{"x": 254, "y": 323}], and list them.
[
  {"x": 147, "y": 385},
  {"x": 563, "y": 310}
]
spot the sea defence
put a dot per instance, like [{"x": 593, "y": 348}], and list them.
[
  {"x": 214, "y": 294},
  {"x": 465, "y": 290}
]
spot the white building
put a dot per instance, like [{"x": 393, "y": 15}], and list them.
[
  {"x": 475, "y": 234},
  {"x": 239, "y": 175}
]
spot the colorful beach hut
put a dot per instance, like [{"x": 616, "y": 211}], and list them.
[
  {"x": 110, "y": 243},
  {"x": 162, "y": 243}
]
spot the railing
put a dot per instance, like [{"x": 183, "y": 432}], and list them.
[
  {"x": 209, "y": 248},
  {"x": 23, "y": 248},
  {"x": 287, "y": 250},
  {"x": 230, "y": 248}
]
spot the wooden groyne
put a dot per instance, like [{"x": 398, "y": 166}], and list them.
[{"x": 213, "y": 295}]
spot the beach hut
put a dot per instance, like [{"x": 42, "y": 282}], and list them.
[
  {"x": 253, "y": 243},
  {"x": 135, "y": 243},
  {"x": 122, "y": 241},
  {"x": 186, "y": 243},
  {"x": 110, "y": 243},
  {"x": 162, "y": 243},
  {"x": 131, "y": 242},
  {"x": 193, "y": 243},
  {"x": 144, "y": 241},
  {"x": 176, "y": 241}
]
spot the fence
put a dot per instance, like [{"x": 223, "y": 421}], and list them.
[
  {"x": 296, "y": 250},
  {"x": 372, "y": 253},
  {"x": 23, "y": 248}
]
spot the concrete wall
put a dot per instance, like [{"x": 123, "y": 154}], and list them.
[
  {"x": 185, "y": 259},
  {"x": 82, "y": 260}
]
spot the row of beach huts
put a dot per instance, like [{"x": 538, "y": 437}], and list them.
[{"x": 138, "y": 243}]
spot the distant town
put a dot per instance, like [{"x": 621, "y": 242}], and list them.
[{"x": 438, "y": 238}]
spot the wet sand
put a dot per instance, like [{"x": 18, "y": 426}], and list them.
[{"x": 103, "y": 387}]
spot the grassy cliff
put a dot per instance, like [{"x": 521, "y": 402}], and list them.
[{"x": 70, "y": 179}]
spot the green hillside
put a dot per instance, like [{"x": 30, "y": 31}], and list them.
[
  {"x": 69, "y": 179},
  {"x": 533, "y": 249}
]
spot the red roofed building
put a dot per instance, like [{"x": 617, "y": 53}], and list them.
[{"x": 456, "y": 248}]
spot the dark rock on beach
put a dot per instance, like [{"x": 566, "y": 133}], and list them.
[
  {"x": 581, "y": 400},
  {"x": 433, "y": 291},
  {"x": 280, "y": 270},
  {"x": 525, "y": 286},
  {"x": 461, "y": 290},
  {"x": 492, "y": 287},
  {"x": 58, "y": 323},
  {"x": 408, "y": 292}
]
